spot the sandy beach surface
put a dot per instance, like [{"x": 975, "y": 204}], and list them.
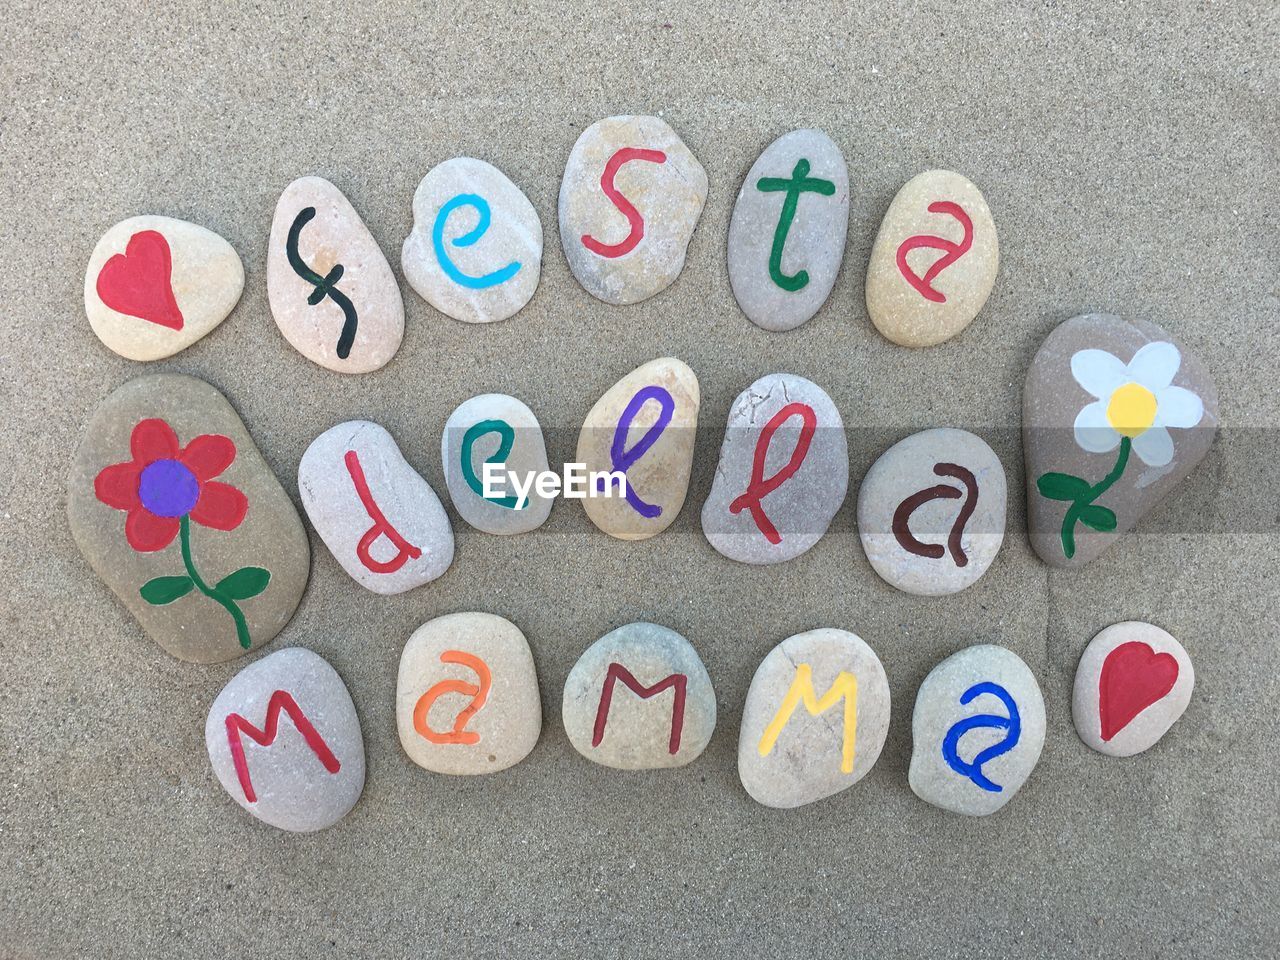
[{"x": 1128, "y": 154}]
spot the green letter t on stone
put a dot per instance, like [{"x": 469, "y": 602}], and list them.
[{"x": 799, "y": 183}]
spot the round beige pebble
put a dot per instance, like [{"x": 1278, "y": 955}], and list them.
[
  {"x": 156, "y": 285},
  {"x": 467, "y": 695},
  {"x": 934, "y": 261}
]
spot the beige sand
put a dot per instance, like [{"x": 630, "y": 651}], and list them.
[{"x": 1129, "y": 158}]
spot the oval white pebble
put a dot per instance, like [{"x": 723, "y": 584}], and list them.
[
  {"x": 475, "y": 251},
  {"x": 377, "y": 515},
  {"x": 977, "y": 730},
  {"x": 284, "y": 740}
]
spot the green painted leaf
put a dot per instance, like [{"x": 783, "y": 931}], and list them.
[
  {"x": 162, "y": 590},
  {"x": 244, "y": 583},
  {"x": 1098, "y": 517},
  {"x": 1062, "y": 486}
]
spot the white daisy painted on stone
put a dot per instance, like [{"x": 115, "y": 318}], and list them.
[
  {"x": 1134, "y": 406},
  {"x": 1136, "y": 401}
]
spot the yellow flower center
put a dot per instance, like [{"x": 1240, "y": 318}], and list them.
[{"x": 1132, "y": 409}]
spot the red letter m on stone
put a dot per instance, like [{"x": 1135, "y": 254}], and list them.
[
  {"x": 616, "y": 672},
  {"x": 280, "y": 700}
]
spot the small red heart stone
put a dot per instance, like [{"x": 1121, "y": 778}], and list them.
[
  {"x": 1133, "y": 677},
  {"x": 139, "y": 281}
]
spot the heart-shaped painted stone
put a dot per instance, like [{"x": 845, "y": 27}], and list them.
[
  {"x": 1114, "y": 415},
  {"x": 1133, "y": 678},
  {"x": 1133, "y": 683},
  {"x": 138, "y": 281}
]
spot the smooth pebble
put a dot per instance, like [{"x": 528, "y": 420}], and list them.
[
  {"x": 783, "y": 472},
  {"x": 1114, "y": 415},
  {"x": 156, "y": 285},
  {"x": 1133, "y": 683},
  {"x": 377, "y": 515},
  {"x": 331, "y": 290},
  {"x": 934, "y": 260},
  {"x": 644, "y": 426},
  {"x": 475, "y": 251},
  {"x": 176, "y": 510},
  {"x": 787, "y": 234},
  {"x": 630, "y": 199},
  {"x": 815, "y": 719},
  {"x": 284, "y": 740},
  {"x": 639, "y": 698},
  {"x": 498, "y": 429},
  {"x": 931, "y": 511},
  {"x": 977, "y": 731},
  {"x": 467, "y": 695}
]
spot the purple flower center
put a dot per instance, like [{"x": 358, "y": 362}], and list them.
[{"x": 168, "y": 489}]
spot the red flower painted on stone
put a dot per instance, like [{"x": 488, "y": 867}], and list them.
[
  {"x": 165, "y": 482},
  {"x": 165, "y": 487}
]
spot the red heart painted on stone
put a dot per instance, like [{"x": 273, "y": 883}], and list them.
[
  {"x": 1133, "y": 677},
  {"x": 138, "y": 281}
]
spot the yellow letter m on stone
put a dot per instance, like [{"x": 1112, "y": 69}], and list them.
[{"x": 845, "y": 687}]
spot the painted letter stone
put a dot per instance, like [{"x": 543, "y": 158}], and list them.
[
  {"x": 156, "y": 285},
  {"x": 498, "y": 429},
  {"x": 639, "y": 698},
  {"x": 331, "y": 290},
  {"x": 1114, "y": 414},
  {"x": 284, "y": 740},
  {"x": 931, "y": 511},
  {"x": 977, "y": 731},
  {"x": 815, "y": 718},
  {"x": 630, "y": 199},
  {"x": 475, "y": 252},
  {"x": 783, "y": 472},
  {"x": 467, "y": 696},
  {"x": 643, "y": 426},
  {"x": 381, "y": 521},
  {"x": 934, "y": 261},
  {"x": 786, "y": 238},
  {"x": 1133, "y": 683},
  {"x": 175, "y": 509}
]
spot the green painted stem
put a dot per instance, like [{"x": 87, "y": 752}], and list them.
[
  {"x": 1098, "y": 489},
  {"x": 184, "y": 537}
]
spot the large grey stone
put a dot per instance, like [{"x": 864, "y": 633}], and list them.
[
  {"x": 977, "y": 730},
  {"x": 1114, "y": 414},
  {"x": 931, "y": 511},
  {"x": 284, "y": 740},
  {"x": 783, "y": 472},
  {"x": 639, "y": 698},
  {"x": 815, "y": 718},
  {"x": 176, "y": 510},
  {"x": 786, "y": 238}
]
